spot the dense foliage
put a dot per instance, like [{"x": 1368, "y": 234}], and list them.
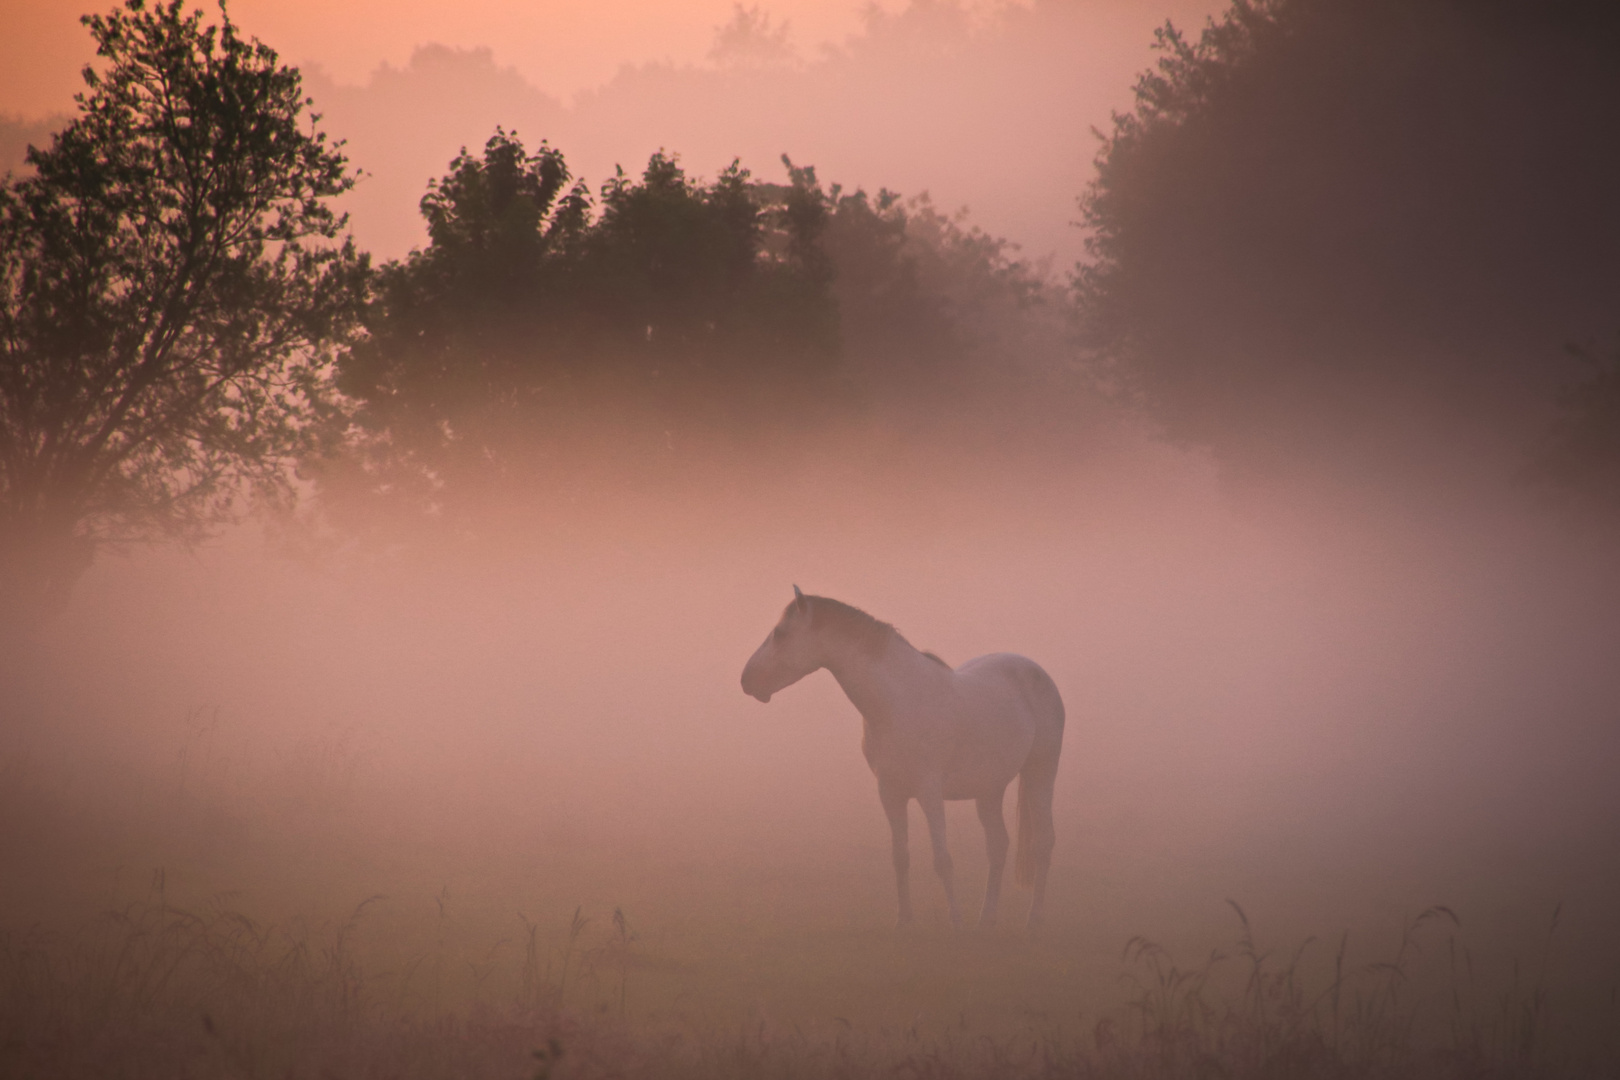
[
  {"x": 524, "y": 303},
  {"x": 540, "y": 323},
  {"x": 168, "y": 298},
  {"x": 1360, "y": 230}
]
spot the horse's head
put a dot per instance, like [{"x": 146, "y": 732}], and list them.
[{"x": 787, "y": 655}]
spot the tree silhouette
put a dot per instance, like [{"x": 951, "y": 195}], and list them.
[
  {"x": 535, "y": 312},
  {"x": 544, "y": 335},
  {"x": 465, "y": 334},
  {"x": 943, "y": 321},
  {"x": 168, "y": 299},
  {"x": 1359, "y": 232},
  {"x": 720, "y": 291}
]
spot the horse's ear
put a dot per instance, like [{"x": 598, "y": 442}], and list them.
[{"x": 798, "y": 598}]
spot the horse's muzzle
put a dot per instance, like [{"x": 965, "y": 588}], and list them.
[{"x": 762, "y": 695}]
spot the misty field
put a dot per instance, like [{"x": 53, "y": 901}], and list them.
[
  {"x": 373, "y": 622},
  {"x": 1323, "y": 811},
  {"x": 728, "y": 963}
]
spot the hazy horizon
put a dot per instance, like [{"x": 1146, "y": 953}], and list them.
[{"x": 979, "y": 86}]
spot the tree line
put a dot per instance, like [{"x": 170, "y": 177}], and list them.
[
  {"x": 1327, "y": 231},
  {"x": 184, "y": 324}
]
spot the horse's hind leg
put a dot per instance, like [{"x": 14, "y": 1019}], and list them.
[
  {"x": 995, "y": 844},
  {"x": 895, "y": 805},
  {"x": 933, "y": 808},
  {"x": 1043, "y": 865}
]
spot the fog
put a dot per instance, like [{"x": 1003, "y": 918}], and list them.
[
  {"x": 1329, "y": 694},
  {"x": 1332, "y": 718}
]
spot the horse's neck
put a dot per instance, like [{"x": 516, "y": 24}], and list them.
[{"x": 872, "y": 680}]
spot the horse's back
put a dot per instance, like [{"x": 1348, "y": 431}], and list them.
[
  {"x": 1019, "y": 677},
  {"x": 1010, "y": 712}
]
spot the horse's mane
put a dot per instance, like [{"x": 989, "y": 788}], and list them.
[{"x": 849, "y": 621}]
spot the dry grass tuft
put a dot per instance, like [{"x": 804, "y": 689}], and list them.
[{"x": 155, "y": 989}]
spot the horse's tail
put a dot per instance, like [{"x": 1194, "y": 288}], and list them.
[{"x": 1038, "y": 778}]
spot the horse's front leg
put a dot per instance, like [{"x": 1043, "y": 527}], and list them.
[
  {"x": 895, "y": 805},
  {"x": 995, "y": 844},
  {"x": 933, "y": 808}
]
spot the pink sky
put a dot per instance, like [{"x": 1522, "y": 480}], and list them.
[
  {"x": 562, "y": 46},
  {"x": 995, "y": 115}
]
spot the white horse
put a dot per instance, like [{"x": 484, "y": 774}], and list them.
[{"x": 932, "y": 733}]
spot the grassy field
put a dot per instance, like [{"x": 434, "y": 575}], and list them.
[
  {"x": 515, "y": 818},
  {"x": 330, "y": 945}
]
